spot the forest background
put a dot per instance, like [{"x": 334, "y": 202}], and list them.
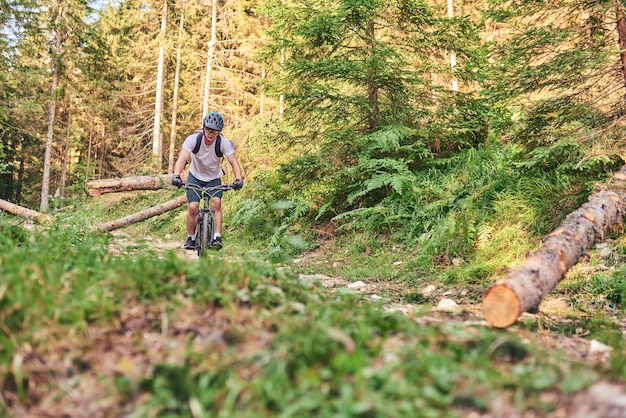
[
  {"x": 351, "y": 105},
  {"x": 457, "y": 132}
]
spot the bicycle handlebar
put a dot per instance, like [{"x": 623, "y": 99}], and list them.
[{"x": 222, "y": 187}]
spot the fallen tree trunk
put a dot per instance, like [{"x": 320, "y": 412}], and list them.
[
  {"x": 524, "y": 287},
  {"x": 143, "y": 215},
  {"x": 99, "y": 187},
  {"x": 24, "y": 212}
]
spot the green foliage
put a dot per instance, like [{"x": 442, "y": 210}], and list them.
[
  {"x": 566, "y": 159},
  {"x": 555, "y": 68},
  {"x": 473, "y": 201},
  {"x": 273, "y": 225},
  {"x": 344, "y": 73},
  {"x": 369, "y": 363},
  {"x": 43, "y": 271},
  {"x": 607, "y": 290}
]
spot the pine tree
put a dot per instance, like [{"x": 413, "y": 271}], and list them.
[
  {"x": 356, "y": 68},
  {"x": 562, "y": 67}
]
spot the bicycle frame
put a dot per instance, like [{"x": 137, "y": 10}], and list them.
[{"x": 205, "y": 227}]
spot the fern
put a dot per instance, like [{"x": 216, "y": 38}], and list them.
[
  {"x": 249, "y": 211},
  {"x": 485, "y": 235},
  {"x": 368, "y": 219},
  {"x": 550, "y": 157},
  {"x": 398, "y": 140},
  {"x": 383, "y": 173}
]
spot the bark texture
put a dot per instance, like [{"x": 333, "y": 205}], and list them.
[
  {"x": 99, "y": 187},
  {"x": 524, "y": 287},
  {"x": 143, "y": 215},
  {"x": 24, "y": 212}
]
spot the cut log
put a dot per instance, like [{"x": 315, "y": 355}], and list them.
[
  {"x": 524, "y": 287},
  {"x": 143, "y": 215},
  {"x": 24, "y": 212},
  {"x": 99, "y": 187}
]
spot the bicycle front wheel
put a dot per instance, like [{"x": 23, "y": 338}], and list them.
[
  {"x": 205, "y": 241},
  {"x": 211, "y": 229}
]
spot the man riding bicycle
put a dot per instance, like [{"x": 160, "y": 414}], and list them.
[{"x": 206, "y": 170}]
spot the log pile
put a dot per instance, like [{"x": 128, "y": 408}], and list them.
[
  {"x": 99, "y": 187},
  {"x": 524, "y": 287}
]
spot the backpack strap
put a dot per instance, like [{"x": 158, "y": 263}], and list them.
[
  {"x": 198, "y": 142},
  {"x": 218, "y": 147}
]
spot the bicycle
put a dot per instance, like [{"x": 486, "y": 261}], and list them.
[{"x": 205, "y": 227}]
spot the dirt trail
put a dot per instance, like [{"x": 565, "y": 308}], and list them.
[{"x": 447, "y": 308}]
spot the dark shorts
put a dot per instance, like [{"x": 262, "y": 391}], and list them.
[{"x": 194, "y": 196}]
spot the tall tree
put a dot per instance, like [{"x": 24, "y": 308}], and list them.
[
  {"x": 562, "y": 66},
  {"x": 23, "y": 91},
  {"x": 179, "y": 48},
  {"x": 121, "y": 66},
  {"x": 210, "y": 56},
  {"x": 5, "y": 172},
  {"x": 157, "y": 142},
  {"x": 46, "y": 41},
  {"x": 455, "y": 84},
  {"x": 58, "y": 36}
]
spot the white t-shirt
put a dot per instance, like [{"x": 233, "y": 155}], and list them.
[{"x": 205, "y": 164}]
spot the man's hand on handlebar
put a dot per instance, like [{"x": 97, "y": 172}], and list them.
[
  {"x": 238, "y": 184},
  {"x": 177, "y": 181}
]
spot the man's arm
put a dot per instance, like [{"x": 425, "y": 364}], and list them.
[
  {"x": 183, "y": 157},
  {"x": 234, "y": 164}
]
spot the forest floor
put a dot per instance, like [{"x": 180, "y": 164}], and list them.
[
  {"x": 148, "y": 334},
  {"x": 601, "y": 400}
]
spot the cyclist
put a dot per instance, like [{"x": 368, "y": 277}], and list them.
[{"x": 206, "y": 171}]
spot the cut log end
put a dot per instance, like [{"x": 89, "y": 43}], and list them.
[
  {"x": 44, "y": 219},
  {"x": 501, "y": 306}
]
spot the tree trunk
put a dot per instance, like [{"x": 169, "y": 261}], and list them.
[
  {"x": 181, "y": 29},
  {"x": 65, "y": 152},
  {"x": 372, "y": 86},
  {"x": 621, "y": 34},
  {"x": 143, "y": 215},
  {"x": 157, "y": 142},
  {"x": 210, "y": 55},
  {"x": 455, "y": 83},
  {"x": 23, "y": 212},
  {"x": 101, "y": 155},
  {"x": 20, "y": 173},
  {"x": 88, "y": 173},
  {"x": 524, "y": 287},
  {"x": 45, "y": 182},
  {"x": 99, "y": 187}
]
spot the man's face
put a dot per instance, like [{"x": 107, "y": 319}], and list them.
[{"x": 210, "y": 135}]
